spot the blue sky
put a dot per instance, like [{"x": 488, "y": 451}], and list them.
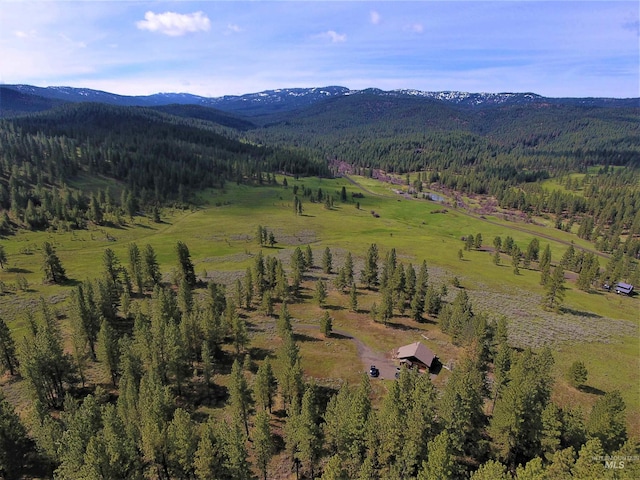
[{"x": 215, "y": 48}]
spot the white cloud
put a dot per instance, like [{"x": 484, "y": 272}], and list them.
[
  {"x": 415, "y": 28},
  {"x": 23, "y": 34},
  {"x": 233, "y": 28},
  {"x": 174, "y": 24},
  {"x": 375, "y": 17},
  {"x": 333, "y": 36}
]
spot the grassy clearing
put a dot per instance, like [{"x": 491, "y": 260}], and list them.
[
  {"x": 220, "y": 235},
  {"x": 610, "y": 367},
  {"x": 553, "y": 184}
]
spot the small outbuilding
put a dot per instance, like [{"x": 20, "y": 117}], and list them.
[
  {"x": 624, "y": 288},
  {"x": 416, "y": 354}
]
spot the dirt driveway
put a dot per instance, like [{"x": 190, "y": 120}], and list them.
[
  {"x": 370, "y": 357},
  {"x": 367, "y": 355}
]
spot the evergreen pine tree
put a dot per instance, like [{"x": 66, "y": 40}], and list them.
[
  {"x": 185, "y": 266},
  {"x": 182, "y": 442},
  {"x": 266, "y": 304},
  {"x": 588, "y": 272},
  {"x": 263, "y": 446},
  {"x": 210, "y": 459},
  {"x": 151, "y": 269},
  {"x": 369, "y": 275},
  {"x": 207, "y": 364},
  {"x": 308, "y": 258},
  {"x": 236, "y": 453},
  {"x": 326, "y": 324},
  {"x": 491, "y": 470},
  {"x": 477, "y": 241},
  {"x": 108, "y": 352},
  {"x": 259, "y": 237},
  {"x": 327, "y": 260},
  {"x": 43, "y": 363},
  {"x": 239, "y": 334},
  {"x": 386, "y": 306},
  {"x": 516, "y": 425},
  {"x": 469, "y": 242},
  {"x": 265, "y": 386},
  {"x": 577, "y": 374},
  {"x": 533, "y": 250},
  {"x": 353, "y": 298},
  {"x": 82, "y": 422},
  {"x": 53, "y": 270},
  {"x": 460, "y": 407},
  {"x": 423, "y": 279},
  {"x": 515, "y": 260},
  {"x": 607, "y": 421},
  {"x": 348, "y": 269},
  {"x": 284, "y": 320},
  {"x": 555, "y": 289},
  {"x": 587, "y": 466},
  {"x": 290, "y": 371},
  {"x": 8, "y": 358},
  {"x": 112, "y": 269},
  {"x": 308, "y": 430},
  {"x": 417, "y": 307},
  {"x": 497, "y": 243},
  {"x": 248, "y": 288},
  {"x": 239, "y": 396},
  {"x": 440, "y": 463},
  {"x": 320, "y": 294},
  {"x": 185, "y": 297},
  {"x": 14, "y": 444}
]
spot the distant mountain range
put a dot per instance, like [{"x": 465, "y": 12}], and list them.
[{"x": 20, "y": 99}]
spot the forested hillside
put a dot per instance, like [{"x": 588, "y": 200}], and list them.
[
  {"x": 406, "y": 134},
  {"x": 152, "y": 158}
]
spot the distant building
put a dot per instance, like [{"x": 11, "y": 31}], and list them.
[
  {"x": 624, "y": 288},
  {"x": 416, "y": 354}
]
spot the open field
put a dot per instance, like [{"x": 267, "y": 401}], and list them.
[{"x": 598, "y": 328}]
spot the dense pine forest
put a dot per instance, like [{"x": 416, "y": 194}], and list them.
[{"x": 135, "y": 357}]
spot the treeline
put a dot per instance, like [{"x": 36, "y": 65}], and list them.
[
  {"x": 162, "y": 346},
  {"x": 622, "y": 266},
  {"x": 154, "y": 157}
]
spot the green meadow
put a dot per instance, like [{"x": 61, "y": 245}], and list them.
[{"x": 601, "y": 329}]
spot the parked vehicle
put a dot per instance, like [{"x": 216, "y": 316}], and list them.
[{"x": 374, "y": 372}]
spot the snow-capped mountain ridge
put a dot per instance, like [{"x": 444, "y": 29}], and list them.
[{"x": 289, "y": 99}]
